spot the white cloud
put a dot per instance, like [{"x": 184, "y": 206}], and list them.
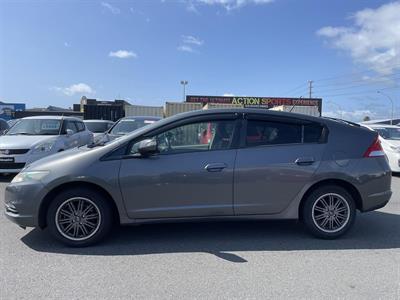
[
  {"x": 232, "y": 4},
  {"x": 114, "y": 10},
  {"x": 190, "y": 44},
  {"x": 122, "y": 54},
  {"x": 228, "y": 95},
  {"x": 354, "y": 115},
  {"x": 189, "y": 39},
  {"x": 66, "y": 44},
  {"x": 79, "y": 88},
  {"x": 185, "y": 48},
  {"x": 373, "y": 40}
]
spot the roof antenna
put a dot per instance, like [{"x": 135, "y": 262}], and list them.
[{"x": 295, "y": 104}]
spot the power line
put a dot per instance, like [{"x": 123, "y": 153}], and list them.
[
  {"x": 382, "y": 78},
  {"x": 359, "y": 92},
  {"x": 303, "y": 85},
  {"x": 346, "y": 87},
  {"x": 354, "y": 73}
]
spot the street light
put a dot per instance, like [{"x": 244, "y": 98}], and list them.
[
  {"x": 391, "y": 101},
  {"x": 184, "y": 83}
]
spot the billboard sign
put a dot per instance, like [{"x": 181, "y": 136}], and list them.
[
  {"x": 266, "y": 102},
  {"x": 7, "y": 110}
]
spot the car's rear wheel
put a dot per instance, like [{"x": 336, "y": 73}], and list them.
[
  {"x": 79, "y": 217},
  {"x": 329, "y": 212}
]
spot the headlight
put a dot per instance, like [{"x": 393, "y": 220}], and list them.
[
  {"x": 30, "y": 176},
  {"x": 44, "y": 147}
]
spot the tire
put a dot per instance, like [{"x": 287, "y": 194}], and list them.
[
  {"x": 332, "y": 220},
  {"x": 86, "y": 211}
]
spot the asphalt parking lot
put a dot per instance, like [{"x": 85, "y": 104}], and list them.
[{"x": 208, "y": 260}]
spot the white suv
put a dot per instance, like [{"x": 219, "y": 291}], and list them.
[{"x": 33, "y": 138}]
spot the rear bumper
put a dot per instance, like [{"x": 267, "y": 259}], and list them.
[{"x": 376, "y": 201}]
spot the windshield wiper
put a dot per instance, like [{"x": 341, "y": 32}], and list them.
[
  {"x": 99, "y": 144},
  {"x": 20, "y": 133}
]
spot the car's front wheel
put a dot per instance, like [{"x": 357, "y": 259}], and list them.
[
  {"x": 79, "y": 217},
  {"x": 329, "y": 212}
]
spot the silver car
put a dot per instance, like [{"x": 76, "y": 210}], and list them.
[
  {"x": 33, "y": 138},
  {"x": 211, "y": 164},
  {"x": 99, "y": 128}
]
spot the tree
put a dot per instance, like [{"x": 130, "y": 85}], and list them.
[{"x": 366, "y": 118}]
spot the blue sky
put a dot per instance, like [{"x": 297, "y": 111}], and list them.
[{"x": 53, "y": 52}]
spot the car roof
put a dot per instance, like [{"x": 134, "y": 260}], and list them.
[
  {"x": 141, "y": 118},
  {"x": 51, "y": 118},
  {"x": 97, "y": 121},
  {"x": 249, "y": 110}
]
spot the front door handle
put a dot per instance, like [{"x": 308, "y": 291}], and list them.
[
  {"x": 304, "y": 161},
  {"x": 216, "y": 167}
]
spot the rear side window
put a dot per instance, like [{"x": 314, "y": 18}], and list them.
[{"x": 261, "y": 133}]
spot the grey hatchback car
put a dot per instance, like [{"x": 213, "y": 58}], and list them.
[{"x": 207, "y": 165}]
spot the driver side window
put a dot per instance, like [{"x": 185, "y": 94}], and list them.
[{"x": 200, "y": 136}]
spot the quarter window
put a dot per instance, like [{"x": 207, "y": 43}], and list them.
[{"x": 313, "y": 133}]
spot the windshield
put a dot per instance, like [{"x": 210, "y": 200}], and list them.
[
  {"x": 98, "y": 127},
  {"x": 389, "y": 133},
  {"x": 129, "y": 125},
  {"x": 36, "y": 127}
]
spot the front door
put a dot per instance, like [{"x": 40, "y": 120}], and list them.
[{"x": 192, "y": 176}]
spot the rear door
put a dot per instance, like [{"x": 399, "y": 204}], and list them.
[{"x": 278, "y": 156}]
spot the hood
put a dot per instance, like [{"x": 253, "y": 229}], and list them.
[
  {"x": 70, "y": 154},
  {"x": 23, "y": 141}
]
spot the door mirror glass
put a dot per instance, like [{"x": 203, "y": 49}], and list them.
[
  {"x": 148, "y": 147},
  {"x": 69, "y": 132}
]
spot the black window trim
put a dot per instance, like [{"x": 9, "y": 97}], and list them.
[
  {"x": 181, "y": 122},
  {"x": 285, "y": 120}
]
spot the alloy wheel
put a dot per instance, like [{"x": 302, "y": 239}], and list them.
[
  {"x": 331, "y": 213},
  {"x": 78, "y": 218}
]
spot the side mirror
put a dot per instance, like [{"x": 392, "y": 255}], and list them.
[
  {"x": 69, "y": 132},
  {"x": 148, "y": 147}
]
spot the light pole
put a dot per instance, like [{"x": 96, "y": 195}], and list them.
[
  {"x": 391, "y": 101},
  {"x": 184, "y": 83}
]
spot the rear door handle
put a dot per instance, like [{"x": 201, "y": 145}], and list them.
[
  {"x": 215, "y": 167},
  {"x": 304, "y": 161}
]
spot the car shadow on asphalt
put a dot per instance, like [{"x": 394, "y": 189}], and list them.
[{"x": 374, "y": 230}]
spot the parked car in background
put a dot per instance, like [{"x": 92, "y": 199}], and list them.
[
  {"x": 98, "y": 128},
  {"x": 127, "y": 125},
  {"x": 3, "y": 126},
  {"x": 12, "y": 122},
  {"x": 33, "y": 138},
  {"x": 255, "y": 164},
  {"x": 389, "y": 136}
]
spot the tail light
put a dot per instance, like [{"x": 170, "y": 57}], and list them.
[{"x": 375, "y": 150}]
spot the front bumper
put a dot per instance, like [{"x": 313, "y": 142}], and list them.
[
  {"x": 22, "y": 202},
  {"x": 20, "y": 161}
]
